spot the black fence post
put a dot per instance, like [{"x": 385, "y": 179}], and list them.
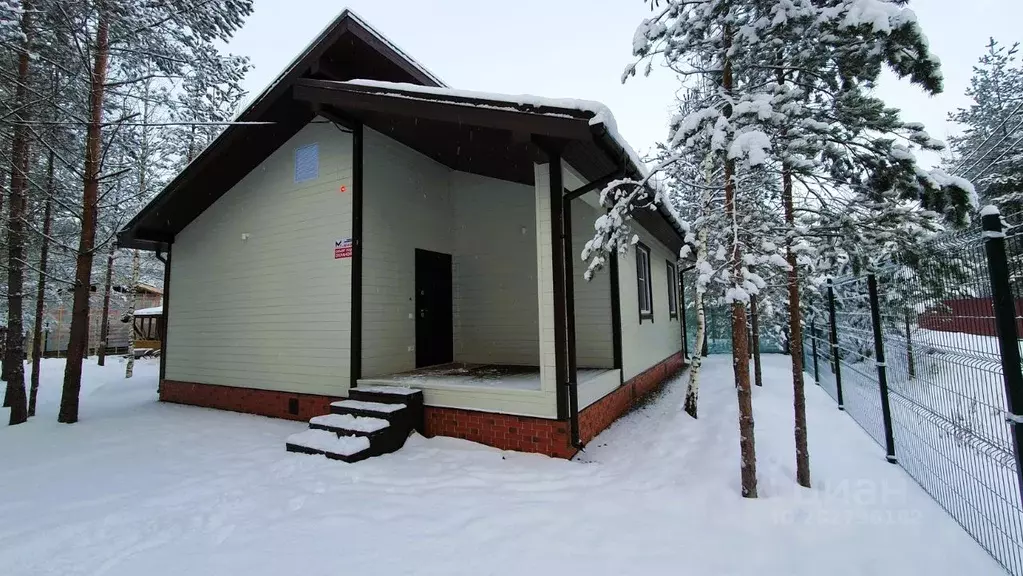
[
  {"x": 882, "y": 369},
  {"x": 813, "y": 346},
  {"x": 1005, "y": 323},
  {"x": 910, "y": 361},
  {"x": 836, "y": 365}
]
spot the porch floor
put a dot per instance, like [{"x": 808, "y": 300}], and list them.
[{"x": 475, "y": 375}]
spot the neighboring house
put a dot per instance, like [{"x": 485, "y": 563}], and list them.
[
  {"x": 57, "y": 317},
  {"x": 394, "y": 232}
]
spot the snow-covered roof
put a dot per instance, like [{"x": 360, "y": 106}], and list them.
[
  {"x": 600, "y": 114},
  {"x": 155, "y": 311},
  {"x": 349, "y": 13},
  {"x": 286, "y": 102},
  {"x": 347, "y": 22},
  {"x": 390, "y": 43}
]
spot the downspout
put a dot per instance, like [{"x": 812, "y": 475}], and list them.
[
  {"x": 573, "y": 368},
  {"x": 166, "y": 313}
]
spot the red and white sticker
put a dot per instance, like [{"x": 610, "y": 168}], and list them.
[{"x": 342, "y": 248}]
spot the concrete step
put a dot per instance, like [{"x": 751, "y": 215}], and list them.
[
  {"x": 394, "y": 395},
  {"x": 385, "y": 411},
  {"x": 344, "y": 448},
  {"x": 386, "y": 394},
  {"x": 348, "y": 425}
]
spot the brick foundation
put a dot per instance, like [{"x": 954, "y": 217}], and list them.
[
  {"x": 505, "y": 431},
  {"x": 249, "y": 400}
]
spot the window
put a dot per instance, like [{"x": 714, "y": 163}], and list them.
[
  {"x": 672, "y": 291},
  {"x": 644, "y": 286},
  {"x": 307, "y": 163}
]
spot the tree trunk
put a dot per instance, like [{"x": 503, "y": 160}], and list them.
[
  {"x": 105, "y": 320},
  {"x": 758, "y": 376},
  {"x": 14, "y": 356},
  {"x": 795, "y": 327},
  {"x": 795, "y": 336},
  {"x": 740, "y": 345},
  {"x": 693, "y": 388},
  {"x": 83, "y": 265},
  {"x": 44, "y": 253},
  {"x": 129, "y": 369}
]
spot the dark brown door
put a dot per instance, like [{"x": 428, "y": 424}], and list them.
[{"x": 434, "y": 324}]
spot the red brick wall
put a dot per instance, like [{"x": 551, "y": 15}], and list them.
[
  {"x": 504, "y": 431},
  {"x": 966, "y": 315},
  {"x": 263, "y": 402},
  {"x": 599, "y": 415},
  {"x": 548, "y": 437}
]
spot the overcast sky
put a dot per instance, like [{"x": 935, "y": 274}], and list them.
[{"x": 578, "y": 48}]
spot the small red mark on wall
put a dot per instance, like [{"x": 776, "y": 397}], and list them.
[{"x": 344, "y": 188}]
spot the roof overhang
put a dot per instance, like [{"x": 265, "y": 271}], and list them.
[
  {"x": 483, "y": 134},
  {"x": 491, "y": 135},
  {"x": 347, "y": 48}
]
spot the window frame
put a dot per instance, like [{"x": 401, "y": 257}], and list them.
[
  {"x": 642, "y": 250},
  {"x": 314, "y": 174},
  {"x": 673, "y": 289}
]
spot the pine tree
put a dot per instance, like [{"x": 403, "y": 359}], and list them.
[
  {"x": 794, "y": 102},
  {"x": 20, "y": 161},
  {"x": 990, "y": 150},
  {"x": 134, "y": 42}
]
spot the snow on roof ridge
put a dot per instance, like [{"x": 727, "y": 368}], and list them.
[
  {"x": 365, "y": 24},
  {"x": 591, "y": 106},
  {"x": 602, "y": 115}
]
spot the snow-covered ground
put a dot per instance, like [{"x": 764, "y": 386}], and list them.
[
  {"x": 949, "y": 421},
  {"x": 139, "y": 487}
]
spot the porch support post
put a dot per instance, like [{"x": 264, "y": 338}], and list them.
[
  {"x": 557, "y": 195},
  {"x": 551, "y": 281},
  {"x": 616, "y": 318},
  {"x": 355, "y": 360}
]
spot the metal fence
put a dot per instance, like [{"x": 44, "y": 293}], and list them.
[
  {"x": 719, "y": 324},
  {"x": 924, "y": 355}
]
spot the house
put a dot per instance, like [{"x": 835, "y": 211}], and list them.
[
  {"x": 372, "y": 229},
  {"x": 57, "y": 317}
]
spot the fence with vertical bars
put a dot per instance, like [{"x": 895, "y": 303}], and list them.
[{"x": 924, "y": 355}]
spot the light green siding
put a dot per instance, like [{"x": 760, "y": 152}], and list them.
[{"x": 257, "y": 299}]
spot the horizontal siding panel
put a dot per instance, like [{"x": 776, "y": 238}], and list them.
[
  {"x": 271, "y": 311},
  {"x": 496, "y": 308}
]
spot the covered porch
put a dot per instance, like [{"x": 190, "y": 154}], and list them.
[
  {"x": 468, "y": 279},
  {"x": 593, "y": 383}
]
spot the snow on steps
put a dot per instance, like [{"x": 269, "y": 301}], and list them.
[
  {"x": 357, "y": 425},
  {"x": 368, "y": 406},
  {"x": 378, "y": 420},
  {"x": 329, "y": 444}
]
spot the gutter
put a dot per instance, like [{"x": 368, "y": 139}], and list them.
[{"x": 610, "y": 145}]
